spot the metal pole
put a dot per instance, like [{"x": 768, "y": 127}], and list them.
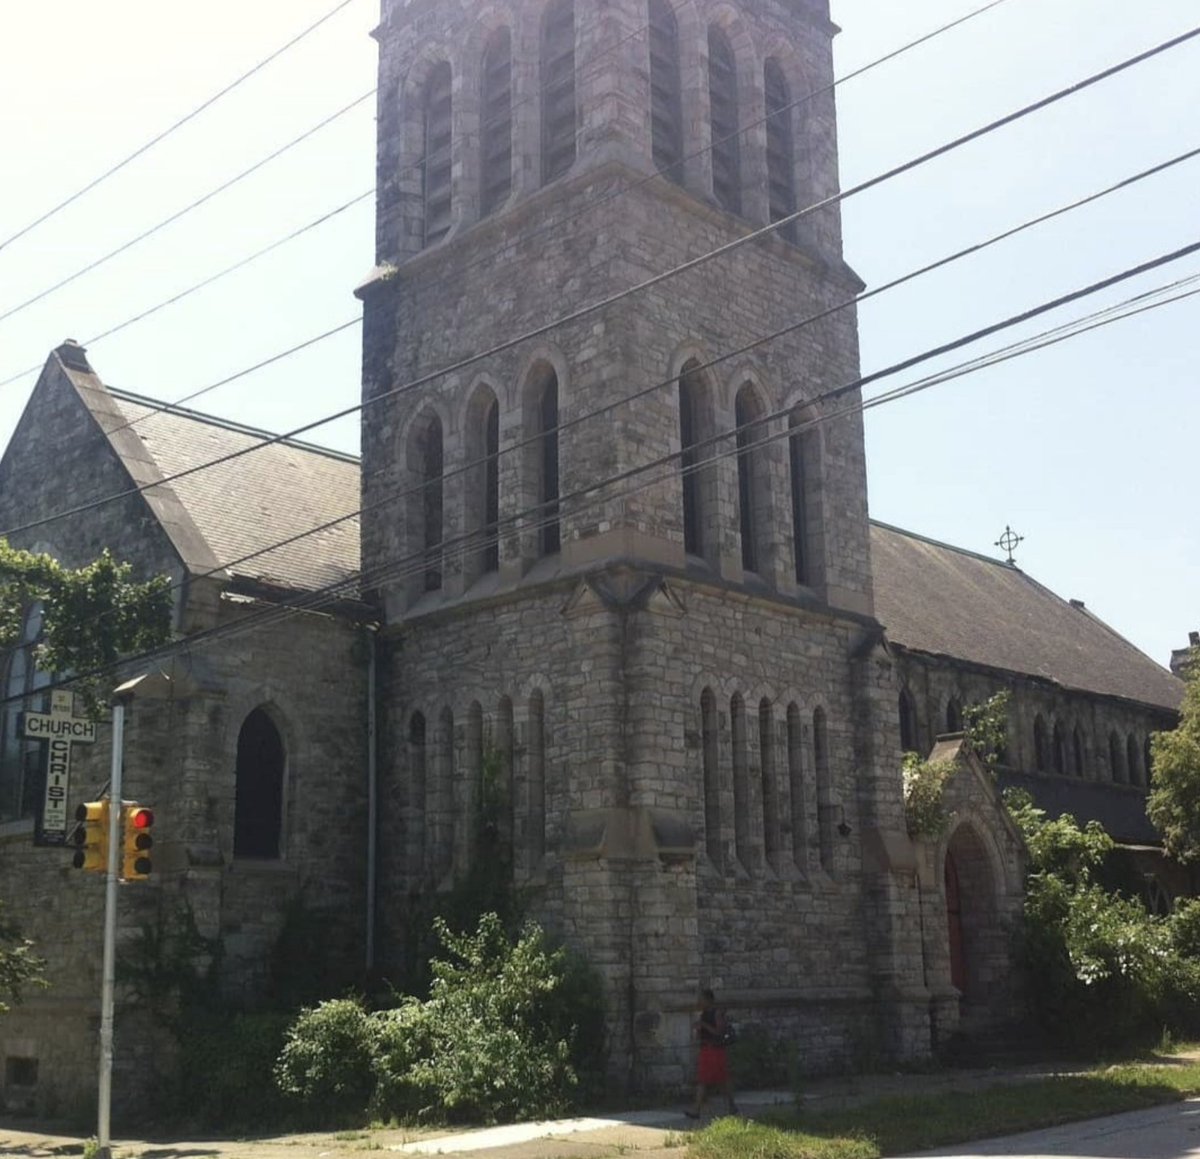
[
  {"x": 372, "y": 796},
  {"x": 108, "y": 981}
]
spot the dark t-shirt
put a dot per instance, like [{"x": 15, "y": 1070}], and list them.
[{"x": 710, "y": 1034}]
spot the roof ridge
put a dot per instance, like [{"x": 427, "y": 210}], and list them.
[
  {"x": 949, "y": 546},
  {"x": 228, "y": 424}
]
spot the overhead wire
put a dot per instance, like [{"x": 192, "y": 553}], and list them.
[
  {"x": 114, "y": 169},
  {"x": 648, "y": 283}
]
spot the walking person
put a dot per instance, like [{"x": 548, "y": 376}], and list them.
[{"x": 712, "y": 1067}]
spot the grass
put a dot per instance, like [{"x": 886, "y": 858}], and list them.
[{"x": 893, "y": 1126}]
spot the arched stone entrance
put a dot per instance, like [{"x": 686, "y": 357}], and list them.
[{"x": 976, "y": 936}]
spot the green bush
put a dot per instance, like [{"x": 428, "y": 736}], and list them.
[{"x": 330, "y": 1057}]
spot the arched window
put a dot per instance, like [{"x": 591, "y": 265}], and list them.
[
  {"x": 710, "y": 756},
  {"x": 441, "y": 826},
  {"x": 820, "y": 743},
  {"x": 506, "y": 748},
  {"x": 1133, "y": 760},
  {"x": 258, "y": 803},
  {"x": 550, "y": 533},
  {"x": 908, "y": 722},
  {"x": 697, "y": 472},
  {"x": 723, "y": 118},
  {"x": 666, "y": 106},
  {"x": 418, "y": 814},
  {"x": 425, "y": 496},
  {"x": 472, "y": 813},
  {"x": 558, "y": 89},
  {"x": 804, "y": 461},
  {"x": 21, "y": 776},
  {"x": 436, "y": 158},
  {"x": 770, "y": 790},
  {"x": 496, "y": 122},
  {"x": 753, "y": 484},
  {"x": 954, "y": 721},
  {"x": 1041, "y": 745},
  {"x": 1060, "y": 750},
  {"x": 483, "y": 483},
  {"x": 1116, "y": 759},
  {"x": 795, "y": 748},
  {"x": 741, "y": 781},
  {"x": 537, "y": 778},
  {"x": 1078, "y": 751},
  {"x": 781, "y": 157}
]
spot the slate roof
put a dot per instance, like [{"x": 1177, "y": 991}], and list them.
[
  {"x": 943, "y": 600},
  {"x": 243, "y": 506}
]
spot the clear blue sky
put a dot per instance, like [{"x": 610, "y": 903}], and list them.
[{"x": 1086, "y": 448}]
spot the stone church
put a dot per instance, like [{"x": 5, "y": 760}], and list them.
[{"x": 612, "y": 579}]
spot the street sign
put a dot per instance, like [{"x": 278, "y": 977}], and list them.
[{"x": 60, "y": 729}]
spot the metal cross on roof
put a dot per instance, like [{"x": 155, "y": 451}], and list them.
[{"x": 1008, "y": 542}]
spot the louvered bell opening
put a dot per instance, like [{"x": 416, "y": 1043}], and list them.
[
  {"x": 496, "y": 132},
  {"x": 436, "y": 167},
  {"x": 666, "y": 112},
  {"x": 558, "y": 91},
  {"x": 722, "y": 96},
  {"x": 781, "y": 157}
]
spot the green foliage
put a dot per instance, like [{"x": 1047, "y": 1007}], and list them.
[
  {"x": 20, "y": 967},
  {"x": 924, "y": 785},
  {"x": 1174, "y": 802},
  {"x": 504, "y": 1034},
  {"x": 985, "y": 727},
  {"x": 91, "y": 615},
  {"x": 169, "y": 967}
]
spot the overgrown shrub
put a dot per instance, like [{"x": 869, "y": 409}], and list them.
[{"x": 330, "y": 1057}]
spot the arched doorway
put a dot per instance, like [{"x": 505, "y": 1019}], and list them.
[
  {"x": 958, "y": 967},
  {"x": 974, "y": 932}
]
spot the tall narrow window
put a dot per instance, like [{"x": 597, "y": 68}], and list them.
[
  {"x": 770, "y": 790},
  {"x": 908, "y": 722},
  {"x": 1060, "y": 749},
  {"x": 1133, "y": 760},
  {"x": 472, "y": 783},
  {"x": 558, "y": 89},
  {"x": 435, "y": 163},
  {"x": 781, "y": 157},
  {"x": 483, "y": 481},
  {"x": 954, "y": 721},
  {"x": 752, "y": 478},
  {"x": 795, "y": 749},
  {"x": 1041, "y": 745},
  {"x": 428, "y": 508},
  {"x": 741, "y": 781},
  {"x": 21, "y": 776},
  {"x": 496, "y": 122},
  {"x": 415, "y": 835},
  {"x": 696, "y": 472},
  {"x": 1078, "y": 751},
  {"x": 820, "y": 742},
  {"x": 550, "y": 533},
  {"x": 710, "y": 754},
  {"x": 666, "y": 106},
  {"x": 804, "y": 461},
  {"x": 537, "y": 779},
  {"x": 723, "y": 118},
  {"x": 441, "y": 826},
  {"x": 505, "y": 789},
  {"x": 1116, "y": 759},
  {"x": 258, "y": 800}
]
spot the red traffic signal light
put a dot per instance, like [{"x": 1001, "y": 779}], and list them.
[{"x": 136, "y": 842}]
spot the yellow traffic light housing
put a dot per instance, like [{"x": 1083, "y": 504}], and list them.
[
  {"x": 91, "y": 837},
  {"x": 136, "y": 842}
]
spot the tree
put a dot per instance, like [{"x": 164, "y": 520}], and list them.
[
  {"x": 1174, "y": 803},
  {"x": 91, "y": 615},
  {"x": 19, "y": 965}
]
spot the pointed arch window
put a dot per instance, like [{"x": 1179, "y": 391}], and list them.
[
  {"x": 770, "y": 789},
  {"x": 723, "y": 119},
  {"x": 1133, "y": 760},
  {"x": 741, "y": 781},
  {"x": 21, "y": 775},
  {"x": 1041, "y": 745},
  {"x": 666, "y": 104},
  {"x": 804, "y": 462},
  {"x": 697, "y": 472},
  {"x": 442, "y": 823},
  {"x": 505, "y": 789},
  {"x": 425, "y": 500},
  {"x": 795, "y": 748},
  {"x": 954, "y": 721},
  {"x": 436, "y": 157},
  {"x": 471, "y": 813},
  {"x": 1078, "y": 751},
  {"x": 537, "y": 778},
  {"x": 908, "y": 722},
  {"x": 1116, "y": 759},
  {"x": 258, "y": 802},
  {"x": 550, "y": 532},
  {"x": 753, "y": 485},
  {"x": 1060, "y": 749},
  {"x": 710, "y": 754},
  {"x": 483, "y": 489},
  {"x": 558, "y": 89},
  {"x": 820, "y": 742},
  {"x": 496, "y": 122},
  {"x": 781, "y": 156}
]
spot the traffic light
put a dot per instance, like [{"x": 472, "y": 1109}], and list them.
[
  {"x": 136, "y": 841},
  {"x": 91, "y": 837}
]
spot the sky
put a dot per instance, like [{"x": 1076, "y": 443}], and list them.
[{"x": 1084, "y": 448}]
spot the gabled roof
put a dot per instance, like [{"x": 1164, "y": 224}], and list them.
[{"x": 942, "y": 600}]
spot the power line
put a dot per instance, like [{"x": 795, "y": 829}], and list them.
[
  {"x": 472, "y": 541},
  {"x": 648, "y": 283},
  {"x": 595, "y": 203},
  {"x": 177, "y": 125}
]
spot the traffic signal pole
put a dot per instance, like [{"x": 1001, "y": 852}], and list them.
[{"x": 109, "y": 974}]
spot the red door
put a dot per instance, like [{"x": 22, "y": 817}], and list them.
[{"x": 958, "y": 966}]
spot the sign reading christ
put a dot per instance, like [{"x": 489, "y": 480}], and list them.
[{"x": 59, "y": 728}]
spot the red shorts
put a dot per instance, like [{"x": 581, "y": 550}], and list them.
[{"x": 713, "y": 1069}]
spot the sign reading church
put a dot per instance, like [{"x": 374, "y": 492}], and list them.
[{"x": 59, "y": 728}]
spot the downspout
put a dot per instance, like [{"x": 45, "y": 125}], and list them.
[{"x": 372, "y": 795}]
